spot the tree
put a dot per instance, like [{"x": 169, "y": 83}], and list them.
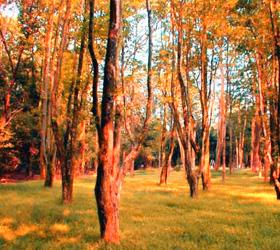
[{"x": 108, "y": 174}]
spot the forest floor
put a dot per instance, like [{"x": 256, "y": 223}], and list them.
[{"x": 243, "y": 213}]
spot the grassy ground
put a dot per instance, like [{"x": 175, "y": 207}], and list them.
[{"x": 240, "y": 214}]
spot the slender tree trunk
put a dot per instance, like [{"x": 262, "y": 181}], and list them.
[
  {"x": 54, "y": 79},
  {"x": 162, "y": 140},
  {"x": 262, "y": 89},
  {"x": 242, "y": 139},
  {"x": 222, "y": 126},
  {"x": 44, "y": 159},
  {"x": 229, "y": 107},
  {"x": 59, "y": 57},
  {"x": 95, "y": 67},
  {"x": 107, "y": 188},
  {"x": 50, "y": 167},
  {"x": 167, "y": 162},
  {"x": 224, "y": 157},
  {"x": 192, "y": 135},
  {"x": 205, "y": 153},
  {"x": 182, "y": 153},
  {"x": 183, "y": 132},
  {"x": 275, "y": 99},
  {"x": 276, "y": 177},
  {"x": 82, "y": 154},
  {"x": 132, "y": 168},
  {"x": 71, "y": 144},
  {"x": 274, "y": 123},
  {"x": 256, "y": 132},
  {"x": 150, "y": 74},
  {"x": 256, "y": 136}
]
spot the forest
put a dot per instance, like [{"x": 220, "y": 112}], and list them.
[{"x": 139, "y": 124}]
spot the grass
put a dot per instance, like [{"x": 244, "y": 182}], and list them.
[{"x": 243, "y": 213}]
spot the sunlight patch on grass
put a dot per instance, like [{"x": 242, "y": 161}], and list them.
[
  {"x": 7, "y": 232},
  {"x": 25, "y": 229},
  {"x": 59, "y": 228},
  {"x": 71, "y": 240},
  {"x": 6, "y": 221},
  {"x": 66, "y": 212}
]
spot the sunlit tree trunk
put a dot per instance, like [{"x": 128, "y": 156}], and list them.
[
  {"x": 262, "y": 90},
  {"x": 182, "y": 153},
  {"x": 255, "y": 141},
  {"x": 192, "y": 143},
  {"x": 182, "y": 130},
  {"x": 106, "y": 188},
  {"x": 205, "y": 148},
  {"x": 162, "y": 139},
  {"x": 168, "y": 159},
  {"x": 82, "y": 149},
  {"x": 72, "y": 153},
  {"x": 222, "y": 126},
  {"x": 45, "y": 90},
  {"x": 229, "y": 111},
  {"x": 242, "y": 140},
  {"x": 95, "y": 68},
  {"x": 275, "y": 98}
]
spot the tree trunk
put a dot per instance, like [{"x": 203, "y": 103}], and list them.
[
  {"x": 182, "y": 153},
  {"x": 45, "y": 89},
  {"x": 71, "y": 143},
  {"x": 54, "y": 79},
  {"x": 82, "y": 160},
  {"x": 191, "y": 177},
  {"x": 224, "y": 157},
  {"x": 132, "y": 168},
  {"x": 50, "y": 169},
  {"x": 162, "y": 140},
  {"x": 262, "y": 90},
  {"x": 275, "y": 98},
  {"x": 107, "y": 185},
  {"x": 276, "y": 177},
  {"x": 242, "y": 139},
  {"x": 222, "y": 127},
  {"x": 59, "y": 58},
  {"x": 256, "y": 136},
  {"x": 205, "y": 148},
  {"x": 183, "y": 131},
  {"x": 168, "y": 159},
  {"x": 95, "y": 67}
]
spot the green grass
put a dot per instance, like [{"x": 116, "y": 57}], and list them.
[{"x": 240, "y": 214}]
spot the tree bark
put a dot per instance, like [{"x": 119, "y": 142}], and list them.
[
  {"x": 95, "y": 67},
  {"x": 184, "y": 131},
  {"x": 205, "y": 148},
  {"x": 221, "y": 128},
  {"x": 276, "y": 177},
  {"x": 107, "y": 188},
  {"x": 262, "y": 90},
  {"x": 255, "y": 145},
  {"x": 168, "y": 158},
  {"x": 45, "y": 89},
  {"x": 162, "y": 140}
]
